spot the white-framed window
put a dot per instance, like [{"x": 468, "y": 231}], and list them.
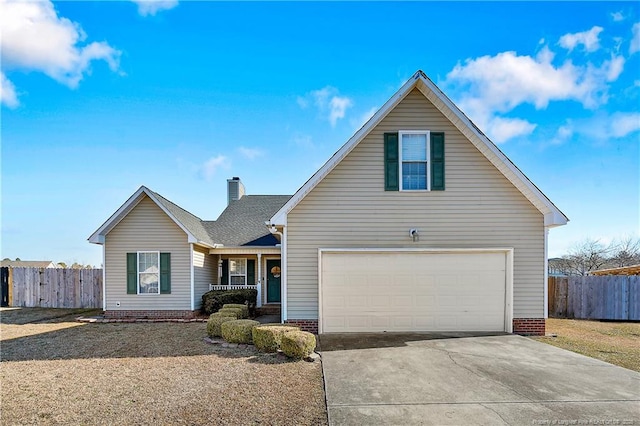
[
  {"x": 414, "y": 161},
  {"x": 237, "y": 271},
  {"x": 148, "y": 272}
]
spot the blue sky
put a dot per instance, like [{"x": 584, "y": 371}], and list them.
[{"x": 99, "y": 98}]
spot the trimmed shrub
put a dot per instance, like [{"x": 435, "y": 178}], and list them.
[
  {"x": 245, "y": 308},
  {"x": 215, "y": 323},
  {"x": 267, "y": 337},
  {"x": 236, "y": 311},
  {"x": 298, "y": 344},
  {"x": 213, "y": 300},
  {"x": 238, "y": 331}
]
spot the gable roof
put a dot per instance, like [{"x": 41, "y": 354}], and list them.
[
  {"x": 243, "y": 221},
  {"x": 552, "y": 215},
  {"x": 189, "y": 223},
  {"x": 27, "y": 264}
]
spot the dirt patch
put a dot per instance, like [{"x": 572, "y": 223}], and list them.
[
  {"x": 613, "y": 342},
  {"x": 64, "y": 372},
  {"x": 33, "y": 315}
]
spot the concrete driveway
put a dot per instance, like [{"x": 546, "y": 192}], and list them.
[{"x": 458, "y": 379}]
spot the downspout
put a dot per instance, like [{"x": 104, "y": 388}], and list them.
[
  {"x": 546, "y": 272},
  {"x": 193, "y": 291},
  {"x": 283, "y": 269},
  {"x": 104, "y": 276}
]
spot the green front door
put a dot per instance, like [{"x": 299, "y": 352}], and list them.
[{"x": 273, "y": 280}]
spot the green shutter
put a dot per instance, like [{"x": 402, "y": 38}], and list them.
[
  {"x": 437, "y": 161},
  {"x": 391, "y": 181},
  {"x": 132, "y": 273},
  {"x": 251, "y": 271},
  {"x": 224, "y": 280},
  {"x": 165, "y": 273}
]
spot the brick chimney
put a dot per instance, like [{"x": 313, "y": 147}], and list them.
[{"x": 235, "y": 189}]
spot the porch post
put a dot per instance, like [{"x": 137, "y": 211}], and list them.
[{"x": 259, "y": 282}]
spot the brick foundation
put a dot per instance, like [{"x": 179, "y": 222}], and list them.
[
  {"x": 305, "y": 325},
  {"x": 151, "y": 314},
  {"x": 529, "y": 326}
]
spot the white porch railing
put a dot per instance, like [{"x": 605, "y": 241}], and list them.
[{"x": 238, "y": 287}]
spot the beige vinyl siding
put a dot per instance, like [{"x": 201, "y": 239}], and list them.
[
  {"x": 479, "y": 208},
  {"x": 205, "y": 272},
  {"x": 147, "y": 228}
]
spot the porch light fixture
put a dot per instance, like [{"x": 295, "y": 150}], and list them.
[{"x": 415, "y": 236}]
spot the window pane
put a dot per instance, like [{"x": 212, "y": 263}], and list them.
[
  {"x": 149, "y": 283},
  {"x": 414, "y": 147},
  {"x": 414, "y": 176},
  {"x": 237, "y": 280},
  {"x": 237, "y": 266},
  {"x": 148, "y": 262}
]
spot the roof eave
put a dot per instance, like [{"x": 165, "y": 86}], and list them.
[
  {"x": 280, "y": 217},
  {"x": 552, "y": 215},
  {"x": 98, "y": 237}
]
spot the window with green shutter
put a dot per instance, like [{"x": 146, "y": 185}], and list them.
[
  {"x": 148, "y": 272},
  {"x": 414, "y": 161}
]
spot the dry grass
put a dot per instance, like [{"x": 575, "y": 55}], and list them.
[
  {"x": 614, "y": 342},
  {"x": 62, "y": 372}
]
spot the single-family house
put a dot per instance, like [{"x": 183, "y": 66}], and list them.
[{"x": 417, "y": 223}]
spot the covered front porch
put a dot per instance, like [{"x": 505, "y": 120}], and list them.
[{"x": 256, "y": 268}]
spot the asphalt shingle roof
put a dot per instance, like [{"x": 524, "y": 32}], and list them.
[
  {"x": 242, "y": 222},
  {"x": 190, "y": 221}
]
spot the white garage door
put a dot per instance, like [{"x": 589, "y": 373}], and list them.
[{"x": 412, "y": 291}]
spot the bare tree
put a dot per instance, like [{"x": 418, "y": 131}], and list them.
[
  {"x": 624, "y": 252},
  {"x": 587, "y": 255}
]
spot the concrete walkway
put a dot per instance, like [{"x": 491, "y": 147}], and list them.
[{"x": 411, "y": 379}]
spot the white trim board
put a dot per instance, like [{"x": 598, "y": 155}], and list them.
[
  {"x": 508, "y": 302},
  {"x": 552, "y": 215},
  {"x": 98, "y": 237}
]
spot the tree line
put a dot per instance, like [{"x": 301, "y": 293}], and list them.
[{"x": 591, "y": 255}]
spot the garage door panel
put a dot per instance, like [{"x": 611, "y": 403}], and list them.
[{"x": 413, "y": 291}]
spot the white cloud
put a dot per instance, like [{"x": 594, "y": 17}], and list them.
[
  {"x": 151, "y": 7},
  {"x": 613, "y": 68},
  {"x": 502, "y": 129},
  {"x": 329, "y": 103},
  {"x": 634, "y": 46},
  {"x": 337, "y": 107},
  {"x": 600, "y": 128},
  {"x": 589, "y": 39},
  {"x": 8, "y": 95},
  {"x": 617, "y": 16},
  {"x": 564, "y": 133},
  {"x": 623, "y": 124},
  {"x": 489, "y": 86},
  {"x": 250, "y": 153},
  {"x": 211, "y": 166},
  {"x": 35, "y": 38}
]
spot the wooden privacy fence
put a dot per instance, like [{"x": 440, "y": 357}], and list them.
[
  {"x": 607, "y": 297},
  {"x": 56, "y": 288}
]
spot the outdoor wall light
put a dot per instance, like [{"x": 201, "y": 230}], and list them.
[{"x": 413, "y": 233}]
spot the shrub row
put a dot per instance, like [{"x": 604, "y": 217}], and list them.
[
  {"x": 266, "y": 337},
  {"x": 214, "y": 300}
]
